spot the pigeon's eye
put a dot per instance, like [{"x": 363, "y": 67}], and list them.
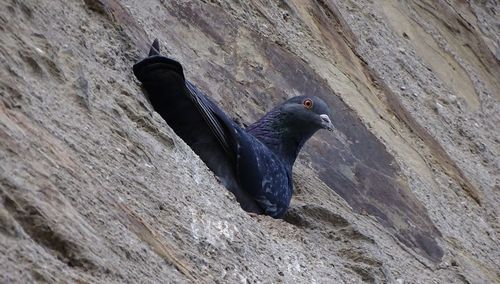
[{"x": 308, "y": 103}]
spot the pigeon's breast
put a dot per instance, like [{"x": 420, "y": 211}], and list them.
[{"x": 263, "y": 175}]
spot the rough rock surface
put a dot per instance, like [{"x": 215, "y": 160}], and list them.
[{"x": 95, "y": 187}]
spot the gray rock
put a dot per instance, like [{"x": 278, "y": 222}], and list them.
[{"x": 95, "y": 187}]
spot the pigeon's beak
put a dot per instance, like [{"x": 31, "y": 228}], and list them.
[{"x": 326, "y": 123}]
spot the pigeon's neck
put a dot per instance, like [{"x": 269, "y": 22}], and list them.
[{"x": 279, "y": 136}]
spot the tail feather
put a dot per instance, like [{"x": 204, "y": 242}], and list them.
[
  {"x": 155, "y": 48},
  {"x": 190, "y": 113}
]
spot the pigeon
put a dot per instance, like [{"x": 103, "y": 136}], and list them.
[{"x": 254, "y": 163}]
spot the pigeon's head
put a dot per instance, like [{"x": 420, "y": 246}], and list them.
[
  {"x": 307, "y": 113},
  {"x": 288, "y": 126}
]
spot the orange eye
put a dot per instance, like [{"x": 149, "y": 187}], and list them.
[{"x": 308, "y": 103}]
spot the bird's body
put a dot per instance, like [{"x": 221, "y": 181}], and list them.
[{"x": 255, "y": 163}]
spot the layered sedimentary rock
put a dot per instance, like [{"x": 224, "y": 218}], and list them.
[{"x": 96, "y": 187}]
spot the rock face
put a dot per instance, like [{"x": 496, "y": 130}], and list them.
[{"x": 95, "y": 187}]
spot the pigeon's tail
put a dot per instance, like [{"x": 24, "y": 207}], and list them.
[
  {"x": 155, "y": 61},
  {"x": 164, "y": 80},
  {"x": 155, "y": 48},
  {"x": 198, "y": 121}
]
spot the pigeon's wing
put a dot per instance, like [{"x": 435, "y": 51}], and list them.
[
  {"x": 263, "y": 175},
  {"x": 216, "y": 120},
  {"x": 196, "y": 119}
]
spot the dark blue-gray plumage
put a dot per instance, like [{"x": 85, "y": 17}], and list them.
[{"x": 255, "y": 163}]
